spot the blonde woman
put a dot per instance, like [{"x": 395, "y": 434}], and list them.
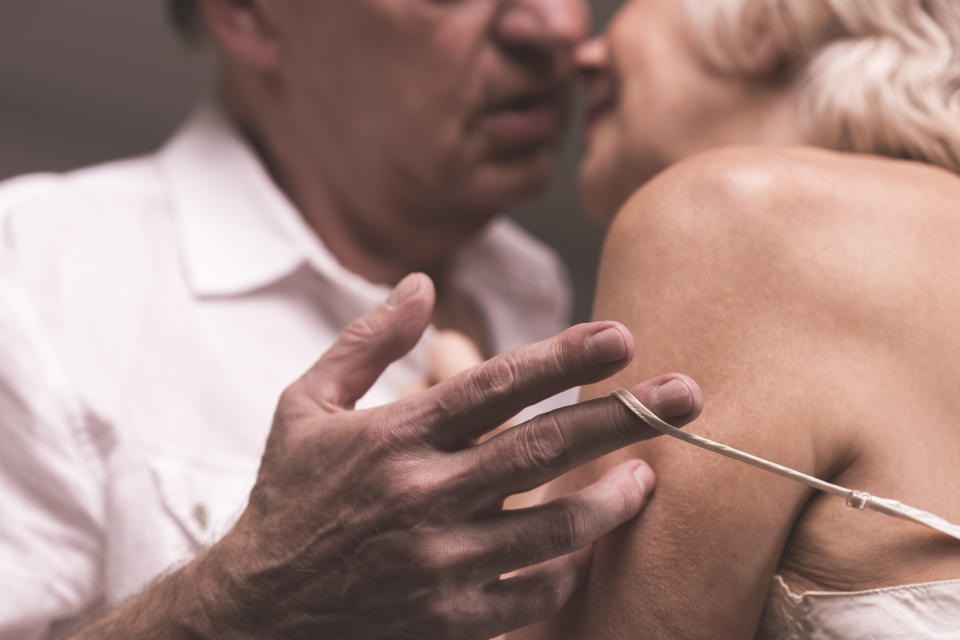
[{"x": 830, "y": 281}]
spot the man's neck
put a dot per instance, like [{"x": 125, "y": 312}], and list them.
[
  {"x": 374, "y": 233},
  {"x": 370, "y": 226},
  {"x": 387, "y": 252}
]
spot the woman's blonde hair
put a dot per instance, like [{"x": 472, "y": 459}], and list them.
[{"x": 876, "y": 76}]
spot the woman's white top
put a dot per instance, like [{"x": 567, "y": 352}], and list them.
[{"x": 925, "y": 611}]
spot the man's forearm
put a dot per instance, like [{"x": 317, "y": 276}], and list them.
[{"x": 192, "y": 602}]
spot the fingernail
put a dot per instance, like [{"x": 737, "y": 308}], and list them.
[
  {"x": 608, "y": 346},
  {"x": 403, "y": 291},
  {"x": 645, "y": 478},
  {"x": 672, "y": 399}
]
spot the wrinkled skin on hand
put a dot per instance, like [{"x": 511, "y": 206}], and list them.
[{"x": 389, "y": 522}]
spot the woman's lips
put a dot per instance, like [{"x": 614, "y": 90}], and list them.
[{"x": 598, "y": 108}]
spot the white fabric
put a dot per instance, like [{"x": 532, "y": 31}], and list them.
[
  {"x": 925, "y": 611},
  {"x": 151, "y": 312}
]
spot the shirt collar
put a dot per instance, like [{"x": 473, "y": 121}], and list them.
[{"x": 238, "y": 232}]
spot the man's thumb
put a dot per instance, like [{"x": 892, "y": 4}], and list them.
[{"x": 371, "y": 343}]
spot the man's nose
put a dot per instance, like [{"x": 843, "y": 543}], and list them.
[{"x": 545, "y": 25}]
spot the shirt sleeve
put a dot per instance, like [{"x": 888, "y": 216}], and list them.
[{"x": 51, "y": 533}]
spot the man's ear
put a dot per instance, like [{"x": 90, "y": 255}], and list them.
[{"x": 240, "y": 29}]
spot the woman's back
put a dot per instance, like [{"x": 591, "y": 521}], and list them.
[{"x": 830, "y": 283}]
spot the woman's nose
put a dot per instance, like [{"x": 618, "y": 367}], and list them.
[
  {"x": 550, "y": 25},
  {"x": 592, "y": 58}
]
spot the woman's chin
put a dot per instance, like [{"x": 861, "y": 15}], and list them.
[
  {"x": 608, "y": 177},
  {"x": 601, "y": 194}
]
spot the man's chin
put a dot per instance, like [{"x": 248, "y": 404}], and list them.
[{"x": 517, "y": 176}]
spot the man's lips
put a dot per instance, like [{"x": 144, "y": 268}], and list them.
[{"x": 529, "y": 119}]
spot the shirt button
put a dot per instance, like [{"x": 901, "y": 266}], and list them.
[{"x": 200, "y": 515}]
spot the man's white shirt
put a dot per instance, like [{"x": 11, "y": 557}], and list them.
[{"x": 151, "y": 313}]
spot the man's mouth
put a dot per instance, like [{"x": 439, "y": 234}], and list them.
[{"x": 529, "y": 119}]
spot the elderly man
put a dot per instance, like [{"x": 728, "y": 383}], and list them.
[{"x": 153, "y": 311}]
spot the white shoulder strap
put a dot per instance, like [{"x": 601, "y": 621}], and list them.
[{"x": 854, "y": 499}]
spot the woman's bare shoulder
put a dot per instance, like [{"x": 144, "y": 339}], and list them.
[
  {"x": 759, "y": 180},
  {"x": 803, "y": 260},
  {"x": 811, "y": 294},
  {"x": 821, "y": 223}
]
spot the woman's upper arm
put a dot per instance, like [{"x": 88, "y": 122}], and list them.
[{"x": 707, "y": 283}]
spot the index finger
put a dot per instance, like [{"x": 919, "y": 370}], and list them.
[
  {"x": 456, "y": 411},
  {"x": 551, "y": 444}
]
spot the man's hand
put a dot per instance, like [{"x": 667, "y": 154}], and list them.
[{"x": 389, "y": 522}]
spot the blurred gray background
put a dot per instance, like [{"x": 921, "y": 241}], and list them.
[{"x": 82, "y": 82}]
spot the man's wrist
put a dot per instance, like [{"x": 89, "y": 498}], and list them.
[
  {"x": 225, "y": 604},
  {"x": 198, "y": 601}
]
